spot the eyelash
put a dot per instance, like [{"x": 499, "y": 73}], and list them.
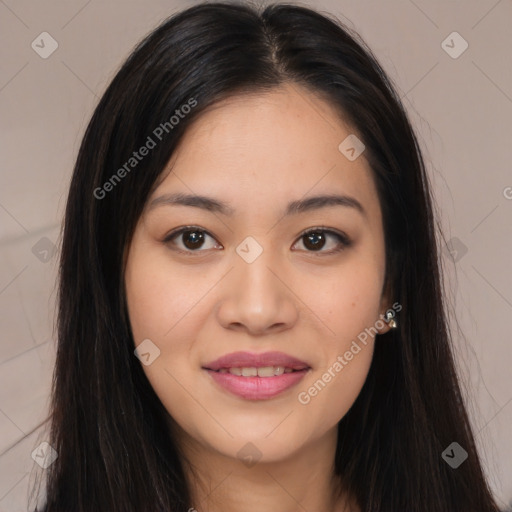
[{"x": 343, "y": 239}]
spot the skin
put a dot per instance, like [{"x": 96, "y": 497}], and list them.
[{"x": 257, "y": 153}]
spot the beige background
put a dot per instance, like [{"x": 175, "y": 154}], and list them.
[{"x": 461, "y": 108}]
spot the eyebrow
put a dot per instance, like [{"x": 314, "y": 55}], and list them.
[{"x": 294, "y": 207}]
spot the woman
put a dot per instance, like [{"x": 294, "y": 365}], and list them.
[{"x": 251, "y": 313}]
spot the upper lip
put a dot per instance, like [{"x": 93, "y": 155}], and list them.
[{"x": 251, "y": 360}]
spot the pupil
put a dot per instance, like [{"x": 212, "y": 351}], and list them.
[
  {"x": 193, "y": 239},
  {"x": 316, "y": 240}
]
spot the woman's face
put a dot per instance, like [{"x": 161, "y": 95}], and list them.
[{"x": 245, "y": 277}]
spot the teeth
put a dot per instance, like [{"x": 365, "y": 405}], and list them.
[{"x": 265, "y": 371}]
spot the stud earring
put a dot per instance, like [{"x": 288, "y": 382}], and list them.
[{"x": 389, "y": 319}]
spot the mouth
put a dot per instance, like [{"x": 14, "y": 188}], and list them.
[
  {"x": 248, "y": 361},
  {"x": 263, "y": 371},
  {"x": 256, "y": 376}
]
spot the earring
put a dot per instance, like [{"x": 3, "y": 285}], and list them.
[{"x": 389, "y": 319}]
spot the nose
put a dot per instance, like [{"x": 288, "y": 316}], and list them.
[{"x": 257, "y": 298}]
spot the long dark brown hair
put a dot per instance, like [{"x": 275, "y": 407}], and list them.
[{"x": 115, "y": 451}]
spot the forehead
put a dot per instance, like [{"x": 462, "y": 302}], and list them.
[{"x": 265, "y": 148}]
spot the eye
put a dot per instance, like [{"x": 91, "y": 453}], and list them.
[
  {"x": 192, "y": 238},
  {"x": 315, "y": 240}
]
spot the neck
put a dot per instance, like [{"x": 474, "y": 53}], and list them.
[{"x": 305, "y": 480}]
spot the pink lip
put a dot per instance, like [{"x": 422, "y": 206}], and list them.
[
  {"x": 249, "y": 360},
  {"x": 257, "y": 388}
]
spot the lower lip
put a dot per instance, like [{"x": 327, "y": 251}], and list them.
[{"x": 257, "y": 388}]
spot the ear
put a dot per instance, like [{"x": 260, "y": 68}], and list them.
[
  {"x": 386, "y": 327},
  {"x": 385, "y": 305}
]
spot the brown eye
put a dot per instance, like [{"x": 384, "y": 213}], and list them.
[
  {"x": 192, "y": 239},
  {"x": 189, "y": 239},
  {"x": 316, "y": 239}
]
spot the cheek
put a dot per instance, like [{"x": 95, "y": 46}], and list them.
[
  {"x": 349, "y": 309},
  {"x": 333, "y": 392},
  {"x": 347, "y": 303},
  {"x": 163, "y": 307},
  {"x": 168, "y": 307},
  {"x": 158, "y": 298}
]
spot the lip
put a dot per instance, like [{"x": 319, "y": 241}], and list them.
[
  {"x": 257, "y": 388},
  {"x": 251, "y": 360}
]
